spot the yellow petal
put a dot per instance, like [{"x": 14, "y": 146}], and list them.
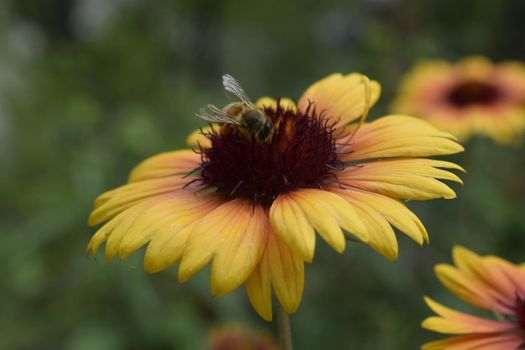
[
  {"x": 136, "y": 226},
  {"x": 395, "y": 212},
  {"x": 381, "y": 236},
  {"x": 234, "y": 236},
  {"x": 326, "y": 212},
  {"x": 166, "y": 247},
  {"x": 323, "y": 220},
  {"x": 165, "y": 164},
  {"x": 287, "y": 104},
  {"x": 287, "y": 273},
  {"x": 124, "y": 218},
  {"x": 399, "y": 136},
  {"x": 117, "y": 233},
  {"x": 403, "y": 178},
  {"x": 259, "y": 290},
  {"x": 284, "y": 102},
  {"x": 240, "y": 253},
  {"x": 266, "y": 102},
  {"x": 292, "y": 226},
  {"x": 146, "y": 225},
  {"x": 111, "y": 203},
  {"x": 340, "y": 97},
  {"x": 199, "y": 139},
  {"x": 296, "y": 215},
  {"x": 281, "y": 269},
  {"x": 169, "y": 239},
  {"x": 405, "y": 187}
]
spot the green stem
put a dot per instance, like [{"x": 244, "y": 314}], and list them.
[{"x": 285, "y": 332}]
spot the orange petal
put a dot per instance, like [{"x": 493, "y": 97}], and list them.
[
  {"x": 455, "y": 322},
  {"x": 502, "y": 278},
  {"x": 477, "y": 342},
  {"x": 506, "y": 278},
  {"x": 468, "y": 289}
]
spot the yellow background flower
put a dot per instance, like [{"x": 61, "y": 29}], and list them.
[{"x": 472, "y": 96}]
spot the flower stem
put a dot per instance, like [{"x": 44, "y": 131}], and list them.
[{"x": 285, "y": 332}]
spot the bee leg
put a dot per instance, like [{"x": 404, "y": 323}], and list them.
[
  {"x": 344, "y": 152},
  {"x": 339, "y": 183},
  {"x": 193, "y": 171},
  {"x": 191, "y": 182},
  {"x": 236, "y": 187},
  {"x": 254, "y": 202},
  {"x": 340, "y": 168}
]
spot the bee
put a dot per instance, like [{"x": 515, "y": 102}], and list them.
[{"x": 242, "y": 114}]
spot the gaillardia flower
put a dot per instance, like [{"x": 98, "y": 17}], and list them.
[
  {"x": 489, "y": 283},
  {"x": 251, "y": 196},
  {"x": 471, "y": 97}
]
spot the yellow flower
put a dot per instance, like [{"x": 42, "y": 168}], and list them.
[
  {"x": 489, "y": 283},
  {"x": 470, "y": 97},
  {"x": 252, "y": 209}
]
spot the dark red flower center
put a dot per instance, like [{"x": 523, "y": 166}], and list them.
[
  {"x": 301, "y": 153},
  {"x": 472, "y": 93}
]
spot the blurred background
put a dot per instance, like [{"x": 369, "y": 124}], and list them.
[{"x": 88, "y": 88}]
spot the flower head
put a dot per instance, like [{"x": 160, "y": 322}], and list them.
[
  {"x": 489, "y": 283},
  {"x": 251, "y": 204},
  {"x": 473, "y": 96},
  {"x": 239, "y": 337}
]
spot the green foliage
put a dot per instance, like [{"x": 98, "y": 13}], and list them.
[{"x": 90, "y": 88}]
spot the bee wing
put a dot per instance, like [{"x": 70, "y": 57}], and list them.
[
  {"x": 213, "y": 114},
  {"x": 235, "y": 89}
]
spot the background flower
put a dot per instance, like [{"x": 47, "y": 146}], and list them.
[
  {"x": 489, "y": 283},
  {"x": 239, "y": 337},
  {"x": 472, "y": 96}
]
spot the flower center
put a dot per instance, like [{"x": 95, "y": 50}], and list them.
[
  {"x": 301, "y": 153},
  {"x": 473, "y": 92}
]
